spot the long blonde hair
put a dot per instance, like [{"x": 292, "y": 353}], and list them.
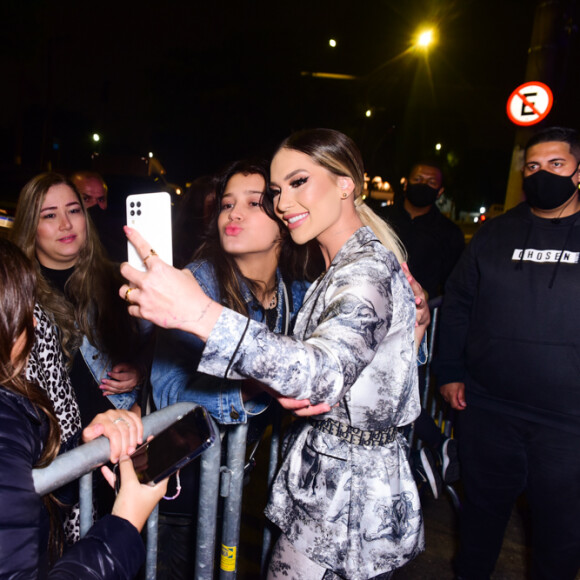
[
  {"x": 92, "y": 306},
  {"x": 338, "y": 153}
]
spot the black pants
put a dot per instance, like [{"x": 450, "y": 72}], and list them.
[
  {"x": 425, "y": 427},
  {"x": 501, "y": 456},
  {"x": 177, "y": 527}
]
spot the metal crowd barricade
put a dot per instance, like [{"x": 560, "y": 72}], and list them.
[
  {"x": 440, "y": 411},
  {"x": 215, "y": 480}
]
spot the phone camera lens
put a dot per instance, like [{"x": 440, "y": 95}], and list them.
[
  {"x": 132, "y": 204},
  {"x": 138, "y": 204},
  {"x": 138, "y": 212},
  {"x": 132, "y": 213}
]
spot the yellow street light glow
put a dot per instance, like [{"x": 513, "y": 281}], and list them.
[
  {"x": 332, "y": 43},
  {"x": 425, "y": 38},
  {"x": 150, "y": 154},
  {"x": 96, "y": 137},
  {"x": 368, "y": 113},
  {"x": 324, "y": 75},
  {"x": 438, "y": 147}
]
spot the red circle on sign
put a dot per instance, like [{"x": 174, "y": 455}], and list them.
[{"x": 537, "y": 114}]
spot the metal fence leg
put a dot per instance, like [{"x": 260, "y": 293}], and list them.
[
  {"x": 272, "y": 468},
  {"x": 152, "y": 533},
  {"x": 209, "y": 483},
  {"x": 237, "y": 437},
  {"x": 86, "y": 503}
]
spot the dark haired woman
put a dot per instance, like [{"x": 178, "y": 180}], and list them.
[
  {"x": 249, "y": 263},
  {"x": 30, "y": 529}
]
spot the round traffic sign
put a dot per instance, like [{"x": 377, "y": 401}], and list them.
[{"x": 530, "y": 103}]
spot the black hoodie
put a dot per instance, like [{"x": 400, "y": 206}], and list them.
[{"x": 510, "y": 319}]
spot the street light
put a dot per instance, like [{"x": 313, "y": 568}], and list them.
[
  {"x": 425, "y": 39},
  {"x": 332, "y": 43}
]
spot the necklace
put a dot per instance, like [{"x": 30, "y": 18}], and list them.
[{"x": 274, "y": 301}]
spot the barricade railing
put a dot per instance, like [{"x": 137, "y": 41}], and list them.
[
  {"x": 215, "y": 480},
  {"x": 431, "y": 401}
]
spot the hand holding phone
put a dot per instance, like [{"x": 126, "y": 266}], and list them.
[
  {"x": 134, "y": 502},
  {"x": 173, "y": 448}
]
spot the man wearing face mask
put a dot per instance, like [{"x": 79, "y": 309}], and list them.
[
  {"x": 433, "y": 242},
  {"x": 509, "y": 360}
]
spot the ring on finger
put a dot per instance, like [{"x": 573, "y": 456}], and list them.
[
  {"x": 120, "y": 420},
  {"x": 152, "y": 252},
  {"x": 127, "y": 294}
]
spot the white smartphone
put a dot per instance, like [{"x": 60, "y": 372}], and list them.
[{"x": 150, "y": 215}]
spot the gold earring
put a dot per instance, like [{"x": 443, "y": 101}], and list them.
[{"x": 344, "y": 194}]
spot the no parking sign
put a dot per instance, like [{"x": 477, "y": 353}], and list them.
[{"x": 530, "y": 103}]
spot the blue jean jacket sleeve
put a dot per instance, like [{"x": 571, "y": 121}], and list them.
[
  {"x": 175, "y": 376},
  {"x": 99, "y": 364}
]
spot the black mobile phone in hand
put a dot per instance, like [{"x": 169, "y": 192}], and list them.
[{"x": 173, "y": 448}]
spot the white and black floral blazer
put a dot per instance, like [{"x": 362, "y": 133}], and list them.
[{"x": 352, "y": 508}]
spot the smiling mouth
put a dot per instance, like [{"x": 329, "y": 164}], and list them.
[
  {"x": 68, "y": 239},
  {"x": 296, "y": 218}
]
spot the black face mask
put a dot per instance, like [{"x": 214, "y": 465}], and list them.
[
  {"x": 545, "y": 190},
  {"x": 420, "y": 194}
]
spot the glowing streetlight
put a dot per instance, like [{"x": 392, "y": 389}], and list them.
[
  {"x": 332, "y": 43},
  {"x": 438, "y": 147},
  {"x": 368, "y": 113},
  {"x": 425, "y": 38},
  {"x": 96, "y": 137},
  {"x": 150, "y": 154},
  {"x": 482, "y": 209}
]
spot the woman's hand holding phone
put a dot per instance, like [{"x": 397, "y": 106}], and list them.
[
  {"x": 135, "y": 501},
  {"x": 168, "y": 297}
]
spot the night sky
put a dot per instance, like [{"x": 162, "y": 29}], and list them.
[{"x": 203, "y": 83}]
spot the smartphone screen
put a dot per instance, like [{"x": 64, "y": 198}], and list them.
[{"x": 173, "y": 448}]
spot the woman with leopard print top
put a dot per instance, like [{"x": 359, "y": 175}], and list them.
[{"x": 77, "y": 290}]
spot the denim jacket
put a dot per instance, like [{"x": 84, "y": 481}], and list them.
[
  {"x": 174, "y": 375},
  {"x": 99, "y": 364}
]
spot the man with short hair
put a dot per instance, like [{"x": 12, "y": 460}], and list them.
[
  {"x": 107, "y": 219},
  {"x": 91, "y": 187},
  {"x": 509, "y": 360},
  {"x": 433, "y": 242}
]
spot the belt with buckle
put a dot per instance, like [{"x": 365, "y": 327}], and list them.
[{"x": 356, "y": 435}]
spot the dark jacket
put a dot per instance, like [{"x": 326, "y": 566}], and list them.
[
  {"x": 434, "y": 244},
  {"x": 510, "y": 320},
  {"x": 112, "y": 549}
]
